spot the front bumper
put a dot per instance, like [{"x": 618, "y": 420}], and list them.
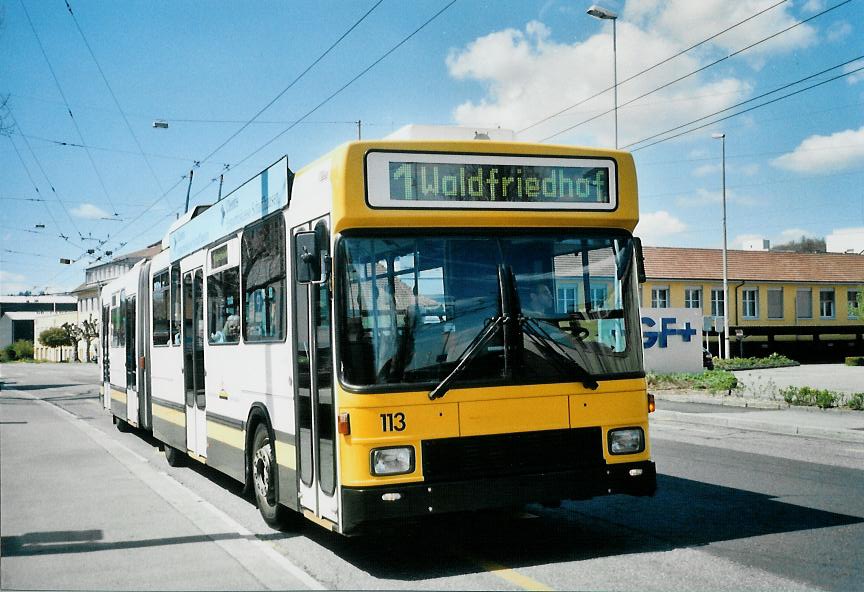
[{"x": 364, "y": 505}]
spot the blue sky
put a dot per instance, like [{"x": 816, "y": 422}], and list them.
[{"x": 794, "y": 167}]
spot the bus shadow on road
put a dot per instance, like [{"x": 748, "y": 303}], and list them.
[{"x": 684, "y": 513}]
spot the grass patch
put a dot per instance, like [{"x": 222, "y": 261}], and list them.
[
  {"x": 855, "y": 361},
  {"x": 710, "y": 380},
  {"x": 775, "y": 360},
  {"x": 806, "y": 396}
]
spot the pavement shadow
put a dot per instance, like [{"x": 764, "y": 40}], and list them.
[
  {"x": 684, "y": 513},
  {"x": 64, "y": 542}
]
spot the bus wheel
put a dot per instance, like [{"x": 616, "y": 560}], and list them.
[
  {"x": 264, "y": 479},
  {"x": 174, "y": 457},
  {"x": 122, "y": 426}
]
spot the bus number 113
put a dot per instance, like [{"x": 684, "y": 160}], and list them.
[{"x": 392, "y": 422}]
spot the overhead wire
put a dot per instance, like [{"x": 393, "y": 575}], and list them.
[
  {"x": 750, "y": 100},
  {"x": 68, "y": 108},
  {"x": 701, "y": 69},
  {"x": 116, "y": 102},
  {"x": 270, "y": 103},
  {"x": 318, "y": 106},
  {"x": 296, "y": 79},
  {"x": 648, "y": 69},
  {"x": 780, "y": 98},
  {"x": 350, "y": 82}
]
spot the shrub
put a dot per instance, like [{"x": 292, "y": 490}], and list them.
[
  {"x": 710, "y": 380},
  {"x": 54, "y": 337},
  {"x": 855, "y": 361},
  {"x": 856, "y": 401},
  {"x": 7, "y": 354},
  {"x": 775, "y": 360},
  {"x": 23, "y": 349},
  {"x": 809, "y": 397}
]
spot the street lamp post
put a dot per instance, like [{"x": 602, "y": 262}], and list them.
[
  {"x": 606, "y": 14},
  {"x": 722, "y": 138}
]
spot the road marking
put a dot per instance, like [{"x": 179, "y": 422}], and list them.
[
  {"x": 512, "y": 576},
  {"x": 250, "y": 552}
]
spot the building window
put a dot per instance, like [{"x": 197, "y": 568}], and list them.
[
  {"x": 826, "y": 303},
  {"x": 161, "y": 297},
  {"x": 567, "y": 300},
  {"x": 854, "y": 298},
  {"x": 693, "y": 298},
  {"x": 750, "y": 303},
  {"x": 804, "y": 304},
  {"x": 717, "y": 302},
  {"x": 598, "y": 297},
  {"x": 223, "y": 306},
  {"x": 660, "y": 297},
  {"x": 263, "y": 263},
  {"x": 775, "y": 303}
]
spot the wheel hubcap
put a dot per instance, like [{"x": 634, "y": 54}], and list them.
[{"x": 262, "y": 468}]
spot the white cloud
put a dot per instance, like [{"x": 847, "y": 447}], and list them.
[
  {"x": 814, "y": 5},
  {"x": 706, "y": 169},
  {"x": 838, "y": 31},
  {"x": 530, "y": 76},
  {"x": 89, "y": 211},
  {"x": 658, "y": 228},
  {"x": 857, "y": 76},
  {"x": 791, "y": 234},
  {"x": 823, "y": 154},
  {"x": 687, "y": 22}
]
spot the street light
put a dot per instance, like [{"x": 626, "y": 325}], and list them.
[
  {"x": 722, "y": 138},
  {"x": 606, "y": 14}
]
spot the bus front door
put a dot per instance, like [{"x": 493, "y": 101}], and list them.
[
  {"x": 193, "y": 362},
  {"x": 313, "y": 394},
  {"x": 103, "y": 356},
  {"x": 131, "y": 362}
]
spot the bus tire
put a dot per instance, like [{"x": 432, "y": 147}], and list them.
[
  {"x": 122, "y": 426},
  {"x": 264, "y": 475},
  {"x": 175, "y": 457}
]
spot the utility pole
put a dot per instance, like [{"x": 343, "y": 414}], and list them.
[{"x": 189, "y": 189}]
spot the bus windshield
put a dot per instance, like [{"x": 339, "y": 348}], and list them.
[{"x": 410, "y": 306}]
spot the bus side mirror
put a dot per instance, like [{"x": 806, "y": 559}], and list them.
[
  {"x": 640, "y": 259},
  {"x": 312, "y": 263}
]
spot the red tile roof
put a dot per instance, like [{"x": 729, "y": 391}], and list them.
[{"x": 672, "y": 263}]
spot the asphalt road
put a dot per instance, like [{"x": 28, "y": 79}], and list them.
[{"x": 86, "y": 507}]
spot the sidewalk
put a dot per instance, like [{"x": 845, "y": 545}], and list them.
[{"x": 758, "y": 414}]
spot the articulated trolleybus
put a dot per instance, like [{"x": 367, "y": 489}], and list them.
[{"x": 403, "y": 328}]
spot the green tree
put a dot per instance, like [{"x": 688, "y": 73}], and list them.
[
  {"x": 54, "y": 337},
  {"x": 75, "y": 335},
  {"x": 805, "y": 245},
  {"x": 90, "y": 331}
]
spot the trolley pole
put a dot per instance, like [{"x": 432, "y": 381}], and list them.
[{"x": 188, "y": 189}]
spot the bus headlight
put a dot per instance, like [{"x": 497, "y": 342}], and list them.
[
  {"x": 626, "y": 441},
  {"x": 393, "y": 461}
]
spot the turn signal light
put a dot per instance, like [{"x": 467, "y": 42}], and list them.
[
  {"x": 651, "y": 405},
  {"x": 344, "y": 424}
]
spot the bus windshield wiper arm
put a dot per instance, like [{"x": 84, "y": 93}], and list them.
[
  {"x": 481, "y": 339},
  {"x": 552, "y": 348}
]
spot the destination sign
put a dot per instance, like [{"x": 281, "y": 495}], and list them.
[{"x": 479, "y": 181}]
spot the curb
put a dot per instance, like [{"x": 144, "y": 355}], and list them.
[{"x": 841, "y": 435}]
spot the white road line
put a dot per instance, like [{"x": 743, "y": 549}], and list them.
[{"x": 256, "y": 556}]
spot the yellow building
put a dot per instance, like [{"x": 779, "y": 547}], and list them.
[{"x": 797, "y": 304}]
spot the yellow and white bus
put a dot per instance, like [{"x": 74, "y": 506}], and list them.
[{"x": 402, "y": 328}]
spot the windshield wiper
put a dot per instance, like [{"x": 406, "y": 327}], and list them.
[
  {"x": 532, "y": 328},
  {"x": 470, "y": 352},
  {"x": 502, "y": 319}
]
